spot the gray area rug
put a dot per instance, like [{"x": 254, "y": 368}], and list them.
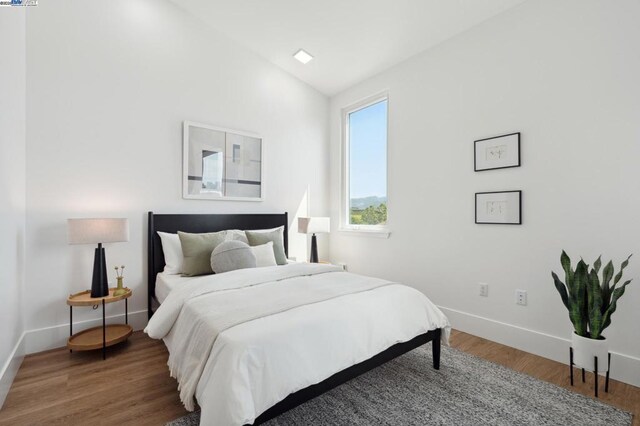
[{"x": 466, "y": 390}]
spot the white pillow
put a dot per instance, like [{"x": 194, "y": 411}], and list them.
[
  {"x": 173, "y": 257},
  {"x": 264, "y": 255}
]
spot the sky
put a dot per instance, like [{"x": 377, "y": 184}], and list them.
[{"x": 368, "y": 151}]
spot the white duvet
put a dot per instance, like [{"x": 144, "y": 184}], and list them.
[{"x": 241, "y": 341}]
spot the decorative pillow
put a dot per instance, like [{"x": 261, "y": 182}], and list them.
[
  {"x": 196, "y": 249},
  {"x": 258, "y": 238},
  {"x": 172, "y": 249},
  {"x": 264, "y": 255},
  {"x": 232, "y": 255},
  {"x": 235, "y": 234}
]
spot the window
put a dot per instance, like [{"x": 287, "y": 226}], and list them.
[
  {"x": 212, "y": 163},
  {"x": 365, "y": 165}
]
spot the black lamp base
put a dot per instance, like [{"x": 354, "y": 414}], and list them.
[
  {"x": 99, "y": 284},
  {"x": 314, "y": 250}
]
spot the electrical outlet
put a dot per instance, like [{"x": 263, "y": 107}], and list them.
[
  {"x": 484, "y": 289},
  {"x": 521, "y": 297},
  {"x": 343, "y": 266}
]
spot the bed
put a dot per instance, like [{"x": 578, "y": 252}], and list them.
[{"x": 263, "y": 366}]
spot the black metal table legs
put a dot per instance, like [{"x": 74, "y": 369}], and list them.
[
  {"x": 104, "y": 334},
  {"x": 70, "y": 324},
  {"x": 92, "y": 340}
]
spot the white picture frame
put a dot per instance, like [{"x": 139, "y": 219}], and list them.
[
  {"x": 497, "y": 152},
  {"x": 221, "y": 164},
  {"x": 498, "y": 208}
]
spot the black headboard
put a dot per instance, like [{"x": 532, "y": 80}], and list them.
[{"x": 198, "y": 223}]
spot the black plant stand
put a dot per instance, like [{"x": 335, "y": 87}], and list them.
[{"x": 595, "y": 371}]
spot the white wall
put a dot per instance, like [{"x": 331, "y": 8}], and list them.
[
  {"x": 12, "y": 191},
  {"x": 109, "y": 84},
  {"x": 565, "y": 74}
]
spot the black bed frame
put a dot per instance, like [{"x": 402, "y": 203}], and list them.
[{"x": 197, "y": 223}]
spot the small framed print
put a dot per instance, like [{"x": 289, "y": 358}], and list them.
[
  {"x": 498, "y": 152},
  {"x": 499, "y": 208}
]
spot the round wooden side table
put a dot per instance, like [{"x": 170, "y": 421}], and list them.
[{"x": 102, "y": 336}]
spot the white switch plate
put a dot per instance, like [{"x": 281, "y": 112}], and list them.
[
  {"x": 521, "y": 297},
  {"x": 484, "y": 289}
]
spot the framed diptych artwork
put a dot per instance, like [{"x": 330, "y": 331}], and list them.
[
  {"x": 500, "y": 208},
  {"x": 498, "y": 152},
  {"x": 221, "y": 164}
]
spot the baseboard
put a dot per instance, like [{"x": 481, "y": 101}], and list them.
[
  {"x": 10, "y": 368},
  {"x": 624, "y": 368},
  {"x": 47, "y": 338},
  {"x": 44, "y": 339}
]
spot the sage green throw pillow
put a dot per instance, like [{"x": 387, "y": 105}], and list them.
[
  {"x": 257, "y": 238},
  {"x": 197, "y": 249}
]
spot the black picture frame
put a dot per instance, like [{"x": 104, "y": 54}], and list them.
[
  {"x": 480, "y": 141},
  {"x": 519, "y": 222}
]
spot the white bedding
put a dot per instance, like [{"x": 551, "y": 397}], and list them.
[
  {"x": 253, "y": 358},
  {"x": 167, "y": 282}
]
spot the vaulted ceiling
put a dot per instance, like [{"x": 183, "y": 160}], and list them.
[{"x": 350, "y": 40}]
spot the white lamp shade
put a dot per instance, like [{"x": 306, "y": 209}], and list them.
[
  {"x": 314, "y": 225},
  {"x": 94, "y": 231}
]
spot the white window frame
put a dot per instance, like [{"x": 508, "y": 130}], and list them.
[{"x": 364, "y": 230}]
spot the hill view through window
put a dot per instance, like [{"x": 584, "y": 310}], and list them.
[{"x": 367, "y": 147}]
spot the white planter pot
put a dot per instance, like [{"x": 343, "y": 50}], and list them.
[{"x": 585, "y": 350}]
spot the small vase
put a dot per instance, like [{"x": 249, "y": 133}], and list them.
[
  {"x": 585, "y": 350},
  {"x": 120, "y": 290}
]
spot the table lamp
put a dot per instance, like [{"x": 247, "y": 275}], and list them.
[
  {"x": 314, "y": 225},
  {"x": 98, "y": 231}
]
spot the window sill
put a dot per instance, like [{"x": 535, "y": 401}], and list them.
[{"x": 372, "y": 233}]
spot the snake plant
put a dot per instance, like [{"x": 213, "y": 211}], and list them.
[{"x": 590, "y": 301}]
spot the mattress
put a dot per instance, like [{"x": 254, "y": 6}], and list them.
[{"x": 167, "y": 282}]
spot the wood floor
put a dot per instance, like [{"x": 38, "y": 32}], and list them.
[{"x": 133, "y": 387}]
